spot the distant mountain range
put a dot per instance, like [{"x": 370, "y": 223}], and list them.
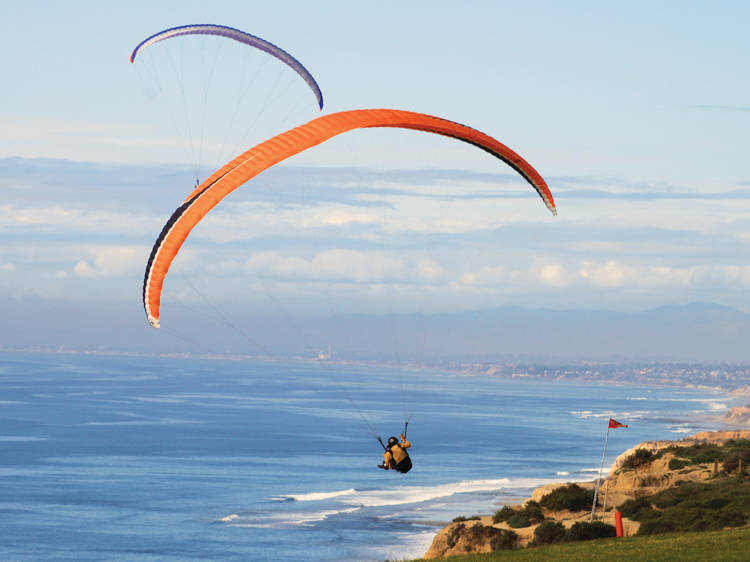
[
  {"x": 694, "y": 332},
  {"x": 699, "y": 332}
]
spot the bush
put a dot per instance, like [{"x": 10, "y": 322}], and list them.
[
  {"x": 533, "y": 511},
  {"x": 549, "y": 532},
  {"x": 677, "y": 464},
  {"x": 727, "y": 517},
  {"x": 519, "y": 520},
  {"x": 708, "y": 452},
  {"x": 632, "y": 508},
  {"x": 699, "y": 526},
  {"x": 641, "y": 457},
  {"x": 476, "y": 534},
  {"x": 689, "y": 506},
  {"x": 503, "y": 514},
  {"x": 461, "y": 518},
  {"x": 732, "y": 462},
  {"x": 661, "y": 527},
  {"x": 584, "y": 531},
  {"x": 503, "y": 541},
  {"x": 646, "y": 527},
  {"x": 454, "y": 534},
  {"x": 571, "y": 497},
  {"x": 705, "y": 457},
  {"x": 529, "y": 514},
  {"x": 672, "y": 496},
  {"x": 715, "y": 503},
  {"x": 696, "y": 507}
]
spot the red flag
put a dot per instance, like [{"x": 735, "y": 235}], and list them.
[{"x": 615, "y": 423}]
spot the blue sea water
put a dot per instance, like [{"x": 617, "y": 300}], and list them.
[{"x": 132, "y": 458}]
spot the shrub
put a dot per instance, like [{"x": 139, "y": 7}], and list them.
[
  {"x": 732, "y": 462},
  {"x": 505, "y": 540},
  {"x": 727, "y": 517},
  {"x": 461, "y": 518},
  {"x": 651, "y": 480},
  {"x": 503, "y": 514},
  {"x": 584, "y": 531},
  {"x": 453, "y": 535},
  {"x": 477, "y": 534},
  {"x": 631, "y": 508},
  {"x": 571, "y": 497},
  {"x": 715, "y": 503},
  {"x": 699, "y": 526},
  {"x": 671, "y": 496},
  {"x": 705, "y": 457},
  {"x": 696, "y": 507},
  {"x": 682, "y": 517},
  {"x": 677, "y": 464},
  {"x": 518, "y": 520},
  {"x": 689, "y": 506},
  {"x": 662, "y": 527},
  {"x": 549, "y": 532},
  {"x": 533, "y": 512},
  {"x": 641, "y": 457}
]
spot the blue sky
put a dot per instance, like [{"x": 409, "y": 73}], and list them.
[{"x": 637, "y": 116}]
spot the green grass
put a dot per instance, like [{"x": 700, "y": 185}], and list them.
[{"x": 712, "y": 545}]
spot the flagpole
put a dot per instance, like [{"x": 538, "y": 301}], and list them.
[{"x": 598, "y": 480}]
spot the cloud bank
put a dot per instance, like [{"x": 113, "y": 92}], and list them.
[{"x": 347, "y": 240}]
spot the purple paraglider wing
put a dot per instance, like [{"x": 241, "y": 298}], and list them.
[{"x": 237, "y": 35}]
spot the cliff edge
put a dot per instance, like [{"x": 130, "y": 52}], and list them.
[{"x": 484, "y": 534}]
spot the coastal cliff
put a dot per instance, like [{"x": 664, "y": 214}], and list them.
[
  {"x": 698, "y": 438},
  {"x": 486, "y": 534}
]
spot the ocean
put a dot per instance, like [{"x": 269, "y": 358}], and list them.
[{"x": 153, "y": 458}]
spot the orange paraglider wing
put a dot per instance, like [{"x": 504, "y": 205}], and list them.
[{"x": 264, "y": 155}]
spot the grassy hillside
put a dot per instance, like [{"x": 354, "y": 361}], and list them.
[{"x": 711, "y": 545}]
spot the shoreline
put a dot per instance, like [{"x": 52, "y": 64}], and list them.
[
  {"x": 458, "y": 537},
  {"x": 524, "y": 470},
  {"x": 471, "y": 369}
]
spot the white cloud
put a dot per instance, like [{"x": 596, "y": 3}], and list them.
[
  {"x": 111, "y": 261},
  {"x": 7, "y": 268},
  {"x": 248, "y": 220},
  {"x": 330, "y": 265},
  {"x": 362, "y": 267},
  {"x": 274, "y": 264},
  {"x": 720, "y": 275},
  {"x": 610, "y": 274},
  {"x": 430, "y": 271},
  {"x": 554, "y": 275},
  {"x": 83, "y": 269},
  {"x": 343, "y": 218},
  {"x": 485, "y": 277},
  {"x": 603, "y": 275},
  {"x": 68, "y": 220},
  {"x": 662, "y": 276},
  {"x": 613, "y": 274}
]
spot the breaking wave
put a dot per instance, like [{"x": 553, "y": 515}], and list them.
[
  {"x": 282, "y": 519},
  {"x": 316, "y": 496},
  {"x": 416, "y": 494}
]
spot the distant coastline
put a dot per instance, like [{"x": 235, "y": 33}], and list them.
[
  {"x": 176, "y": 392},
  {"x": 730, "y": 378}
]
